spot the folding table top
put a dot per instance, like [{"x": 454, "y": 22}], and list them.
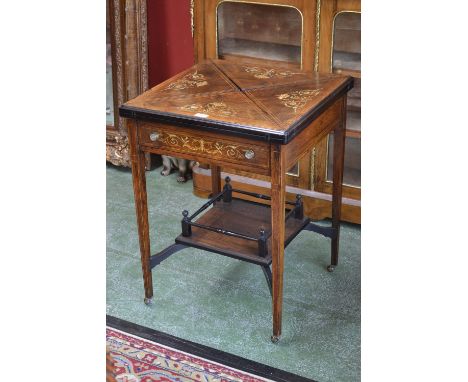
[{"x": 264, "y": 102}]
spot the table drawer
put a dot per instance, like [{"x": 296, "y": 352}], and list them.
[{"x": 201, "y": 145}]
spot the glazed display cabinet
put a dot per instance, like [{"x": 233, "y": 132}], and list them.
[{"x": 296, "y": 35}]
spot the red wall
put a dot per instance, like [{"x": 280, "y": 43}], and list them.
[{"x": 170, "y": 43}]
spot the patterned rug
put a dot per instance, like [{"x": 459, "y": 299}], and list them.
[
  {"x": 141, "y": 354},
  {"x": 140, "y": 360}
]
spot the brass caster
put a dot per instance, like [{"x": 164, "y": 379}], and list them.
[
  {"x": 330, "y": 268},
  {"x": 148, "y": 301},
  {"x": 275, "y": 339}
]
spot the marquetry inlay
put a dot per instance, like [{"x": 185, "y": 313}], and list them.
[
  {"x": 214, "y": 108},
  {"x": 268, "y": 73},
  {"x": 199, "y": 145},
  {"x": 190, "y": 80},
  {"x": 297, "y": 99}
]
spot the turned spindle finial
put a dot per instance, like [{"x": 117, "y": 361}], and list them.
[
  {"x": 186, "y": 227},
  {"x": 262, "y": 243},
  {"x": 227, "y": 193},
  {"x": 299, "y": 209}
]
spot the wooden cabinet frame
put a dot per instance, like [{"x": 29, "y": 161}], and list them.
[{"x": 129, "y": 46}]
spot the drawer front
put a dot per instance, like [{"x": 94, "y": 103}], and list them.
[{"x": 204, "y": 145}]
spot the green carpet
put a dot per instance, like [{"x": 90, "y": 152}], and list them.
[{"x": 225, "y": 303}]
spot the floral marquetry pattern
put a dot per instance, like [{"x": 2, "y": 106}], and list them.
[
  {"x": 268, "y": 73},
  {"x": 199, "y": 145},
  {"x": 297, "y": 99},
  {"x": 190, "y": 80},
  {"x": 214, "y": 108}
]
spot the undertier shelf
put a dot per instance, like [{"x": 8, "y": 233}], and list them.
[{"x": 242, "y": 217}]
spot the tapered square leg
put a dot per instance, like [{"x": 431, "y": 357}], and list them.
[
  {"x": 278, "y": 171},
  {"x": 215, "y": 180},
  {"x": 338, "y": 167},
  {"x": 139, "y": 189}
]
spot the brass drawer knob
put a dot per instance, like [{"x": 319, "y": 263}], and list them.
[
  {"x": 249, "y": 154},
  {"x": 154, "y": 136}
]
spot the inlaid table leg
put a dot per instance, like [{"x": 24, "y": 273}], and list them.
[
  {"x": 215, "y": 180},
  {"x": 338, "y": 167},
  {"x": 277, "y": 234},
  {"x": 139, "y": 189}
]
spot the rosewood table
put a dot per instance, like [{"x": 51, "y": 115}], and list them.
[{"x": 245, "y": 117}]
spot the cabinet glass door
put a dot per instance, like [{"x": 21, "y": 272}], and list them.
[
  {"x": 259, "y": 31},
  {"x": 346, "y": 59},
  {"x": 347, "y": 42}
]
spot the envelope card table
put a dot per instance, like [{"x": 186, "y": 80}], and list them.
[{"x": 256, "y": 119}]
